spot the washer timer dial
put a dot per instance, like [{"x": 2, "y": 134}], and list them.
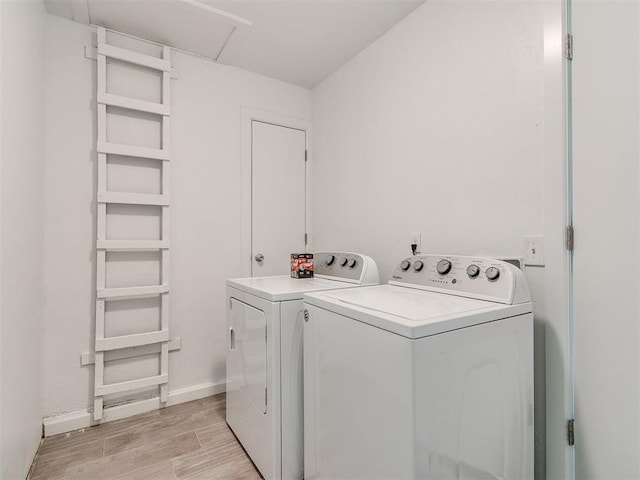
[
  {"x": 329, "y": 260},
  {"x": 443, "y": 267},
  {"x": 492, "y": 273},
  {"x": 473, "y": 271}
]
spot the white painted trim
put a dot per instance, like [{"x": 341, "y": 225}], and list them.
[
  {"x": 133, "y": 103},
  {"x": 134, "y": 340},
  {"x": 166, "y": 217},
  {"x": 133, "y": 151},
  {"x": 135, "y": 58},
  {"x": 101, "y": 225},
  {"x": 139, "y": 383},
  {"x": 132, "y": 244},
  {"x": 248, "y": 115},
  {"x": 133, "y": 198},
  {"x": 126, "y": 292},
  {"x": 104, "y": 197},
  {"x": 556, "y": 272},
  {"x": 89, "y": 358},
  {"x": 70, "y": 421},
  {"x": 91, "y": 52}
]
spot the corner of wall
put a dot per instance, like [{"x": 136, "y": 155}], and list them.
[{"x": 21, "y": 233}]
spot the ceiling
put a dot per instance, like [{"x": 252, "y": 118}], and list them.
[{"x": 297, "y": 41}]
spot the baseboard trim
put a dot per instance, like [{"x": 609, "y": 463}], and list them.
[{"x": 77, "y": 420}]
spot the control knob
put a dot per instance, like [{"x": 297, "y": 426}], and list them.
[
  {"x": 404, "y": 265},
  {"x": 443, "y": 267},
  {"x": 473, "y": 271},
  {"x": 343, "y": 261},
  {"x": 418, "y": 265},
  {"x": 492, "y": 273},
  {"x": 329, "y": 260},
  {"x": 351, "y": 263}
]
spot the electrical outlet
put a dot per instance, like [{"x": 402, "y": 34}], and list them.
[
  {"x": 534, "y": 250},
  {"x": 416, "y": 238}
]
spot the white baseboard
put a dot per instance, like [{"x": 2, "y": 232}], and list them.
[{"x": 77, "y": 420}]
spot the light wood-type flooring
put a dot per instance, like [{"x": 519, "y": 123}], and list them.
[{"x": 186, "y": 441}]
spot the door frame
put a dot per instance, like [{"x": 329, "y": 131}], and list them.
[
  {"x": 249, "y": 115},
  {"x": 555, "y": 328}
]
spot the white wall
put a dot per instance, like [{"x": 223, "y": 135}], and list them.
[
  {"x": 607, "y": 333},
  {"x": 21, "y": 237},
  {"x": 438, "y": 128},
  {"x": 205, "y": 210}
]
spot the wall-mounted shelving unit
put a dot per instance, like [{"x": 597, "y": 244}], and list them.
[{"x": 105, "y": 197}]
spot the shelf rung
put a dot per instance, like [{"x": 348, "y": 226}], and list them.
[
  {"x": 89, "y": 358},
  {"x": 133, "y": 57},
  {"x": 133, "y": 151},
  {"x": 125, "y": 292},
  {"x": 133, "y": 104},
  {"x": 130, "y": 385},
  {"x": 132, "y": 244},
  {"x": 128, "y": 341},
  {"x": 133, "y": 198}
]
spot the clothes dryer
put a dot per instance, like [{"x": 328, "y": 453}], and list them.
[
  {"x": 264, "y": 360},
  {"x": 427, "y": 377}
]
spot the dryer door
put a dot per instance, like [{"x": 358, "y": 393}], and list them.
[{"x": 247, "y": 360}]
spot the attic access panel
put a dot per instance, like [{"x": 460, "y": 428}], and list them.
[{"x": 211, "y": 31}]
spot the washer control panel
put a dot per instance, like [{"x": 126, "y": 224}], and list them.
[
  {"x": 345, "y": 266},
  {"x": 474, "y": 277}
]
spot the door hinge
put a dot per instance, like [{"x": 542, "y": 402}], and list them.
[
  {"x": 569, "y": 238},
  {"x": 568, "y": 47},
  {"x": 571, "y": 438},
  {"x": 306, "y": 155}
]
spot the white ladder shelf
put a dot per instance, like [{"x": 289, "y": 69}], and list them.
[{"x": 103, "y": 245}]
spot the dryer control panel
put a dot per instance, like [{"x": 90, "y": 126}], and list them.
[
  {"x": 474, "y": 277},
  {"x": 346, "y": 267}
]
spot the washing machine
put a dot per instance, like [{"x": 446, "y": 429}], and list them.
[
  {"x": 264, "y": 360},
  {"x": 427, "y": 377}
]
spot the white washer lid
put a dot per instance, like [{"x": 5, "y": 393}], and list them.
[
  {"x": 282, "y": 287},
  {"x": 410, "y": 312}
]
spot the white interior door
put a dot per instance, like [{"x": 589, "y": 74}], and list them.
[
  {"x": 278, "y": 197},
  {"x": 606, "y": 128}
]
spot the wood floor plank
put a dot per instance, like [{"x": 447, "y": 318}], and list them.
[
  {"x": 52, "y": 465},
  {"x": 166, "y": 425},
  {"x": 117, "y": 427},
  {"x": 78, "y": 437},
  {"x": 57, "y": 475},
  {"x": 239, "y": 468},
  {"x": 213, "y": 435},
  {"x": 215, "y": 401},
  {"x": 186, "y": 441},
  {"x": 157, "y": 471},
  {"x": 219, "y": 447},
  {"x": 112, "y": 466}
]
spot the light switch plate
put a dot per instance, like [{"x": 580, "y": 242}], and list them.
[
  {"x": 534, "y": 250},
  {"x": 416, "y": 238}
]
